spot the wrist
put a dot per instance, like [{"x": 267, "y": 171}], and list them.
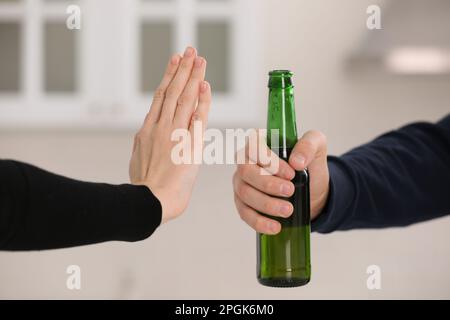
[
  {"x": 338, "y": 204},
  {"x": 317, "y": 207}
]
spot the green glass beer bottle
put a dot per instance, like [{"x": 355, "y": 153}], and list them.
[{"x": 283, "y": 260}]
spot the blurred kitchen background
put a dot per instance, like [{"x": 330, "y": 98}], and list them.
[{"x": 71, "y": 100}]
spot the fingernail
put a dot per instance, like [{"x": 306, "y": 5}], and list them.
[
  {"x": 272, "y": 227},
  {"x": 189, "y": 52},
  {"x": 290, "y": 174},
  {"x": 285, "y": 173},
  {"x": 286, "y": 189},
  {"x": 285, "y": 210},
  {"x": 175, "y": 59},
  {"x": 198, "y": 62},
  {"x": 300, "y": 160},
  {"x": 203, "y": 86}
]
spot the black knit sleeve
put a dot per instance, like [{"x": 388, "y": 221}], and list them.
[{"x": 41, "y": 210}]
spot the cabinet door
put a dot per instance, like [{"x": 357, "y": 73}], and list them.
[
  {"x": 225, "y": 33},
  {"x": 103, "y": 75}
]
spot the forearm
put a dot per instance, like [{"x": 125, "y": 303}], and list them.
[
  {"x": 398, "y": 179},
  {"x": 41, "y": 210}
]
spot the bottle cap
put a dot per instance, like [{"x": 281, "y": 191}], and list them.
[
  {"x": 281, "y": 73},
  {"x": 280, "y": 79}
]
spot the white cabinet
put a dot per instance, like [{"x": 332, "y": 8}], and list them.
[{"x": 102, "y": 75}]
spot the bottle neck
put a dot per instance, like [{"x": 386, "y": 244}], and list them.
[
  {"x": 281, "y": 121},
  {"x": 280, "y": 81}
]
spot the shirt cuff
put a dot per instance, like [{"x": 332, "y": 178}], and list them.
[{"x": 144, "y": 214}]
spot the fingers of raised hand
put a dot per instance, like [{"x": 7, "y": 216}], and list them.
[
  {"x": 177, "y": 85},
  {"x": 187, "y": 102},
  {"x": 160, "y": 92}
]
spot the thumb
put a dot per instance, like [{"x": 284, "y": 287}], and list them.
[{"x": 312, "y": 145}]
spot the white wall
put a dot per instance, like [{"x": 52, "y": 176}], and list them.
[{"x": 210, "y": 252}]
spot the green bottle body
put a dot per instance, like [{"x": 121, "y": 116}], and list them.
[{"x": 283, "y": 260}]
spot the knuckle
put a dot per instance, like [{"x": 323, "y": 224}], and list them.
[
  {"x": 148, "y": 116},
  {"x": 138, "y": 137},
  {"x": 159, "y": 94},
  {"x": 242, "y": 170},
  {"x": 235, "y": 183},
  {"x": 185, "y": 66},
  {"x": 181, "y": 100},
  {"x": 268, "y": 206},
  {"x": 320, "y": 136},
  {"x": 259, "y": 224},
  {"x": 242, "y": 215},
  {"x": 197, "y": 117},
  {"x": 242, "y": 190},
  {"x": 282, "y": 169},
  {"x": 171, "y": 72},
  {"x": 236, "y": 201},
  {"x": 321, "y": 142},
  {"x": 172, "y": 92},
  {"x": 268, "y": 185},
  {"x": 307, "y": 146}
]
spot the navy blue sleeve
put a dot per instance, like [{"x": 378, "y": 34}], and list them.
[
  {"x": 400, "y": 178},
  {"x": 41, "y": 210}
]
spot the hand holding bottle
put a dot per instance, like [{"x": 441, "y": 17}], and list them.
[
  {"x": 182, "y": 97},
  {"x": 256, "y": 192}
]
